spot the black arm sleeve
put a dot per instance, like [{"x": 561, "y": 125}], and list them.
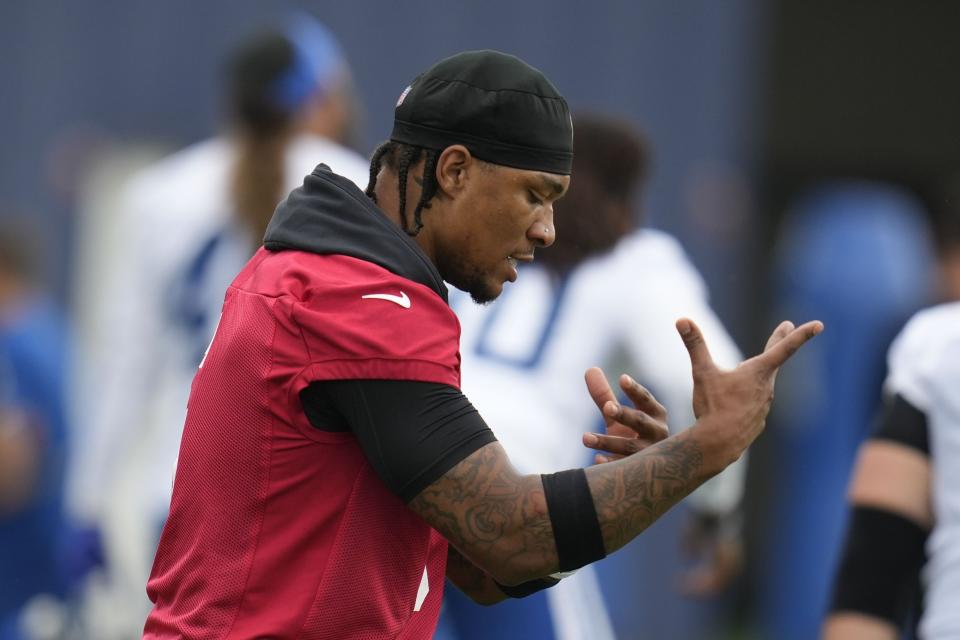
[
  {"x": 879, "y": 572},
  {"x": 411, "y": 432},
  {"x": 902, "y": 422}
]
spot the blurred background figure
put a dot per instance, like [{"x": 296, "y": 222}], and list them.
[
  {"x": 860, "y": 256},
  {"x": 188, "y": 224},
  {"x": 944, "y": 203},
  {"x": 898, "y": 574},
  {"x": 524, "y": 357},
  {"x": 33, "y": 445},
  {"x": 898, "y": 486}
]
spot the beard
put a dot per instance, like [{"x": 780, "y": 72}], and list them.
[
  {"x": 469, "y": 279},
  {"x": 481, "y": 294},
  {"x": 480, "y": 290}
]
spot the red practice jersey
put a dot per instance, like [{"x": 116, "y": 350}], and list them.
[{"x": 278, "y": 529}]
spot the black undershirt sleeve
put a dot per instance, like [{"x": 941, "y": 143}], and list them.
[{"x": 411, "y": 432}]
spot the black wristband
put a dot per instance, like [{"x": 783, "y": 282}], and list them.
[
  {"x": 527, "y": 588},
  {"x": 576, "y": 528}
]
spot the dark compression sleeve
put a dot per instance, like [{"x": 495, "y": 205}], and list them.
[
  {"x": 902, "y": 422},
  {"x": 879, "y": 572},
  {"x": 411, "y": 432}
]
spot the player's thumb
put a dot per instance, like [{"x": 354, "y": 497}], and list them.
[{"x": 696, "y": 346}]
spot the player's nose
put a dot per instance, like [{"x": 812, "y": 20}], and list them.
[{"x": 543, "y": 232}]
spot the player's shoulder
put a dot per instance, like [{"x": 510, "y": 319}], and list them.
[
  {"x": 651, "y": 249},
  {"x": 657, "y": 259},
  {"x": 192, "y": 181},
  {"x": 349, "y": 310},
  {"x": 925, "y": 348},
  {"x": 652, "y": 242},
  {"x": 195, "y": 163},
  {"x": 341, "y": 282},
  {"x": 931, "y": 330}
]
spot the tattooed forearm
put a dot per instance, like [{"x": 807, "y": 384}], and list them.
[
  {"x": 632, "y": 493},
  {"x": 472, "y": 580},
  {"x": 498, "y": 517}
]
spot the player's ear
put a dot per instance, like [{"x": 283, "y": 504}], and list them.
[{"x": 453, "y": 169}]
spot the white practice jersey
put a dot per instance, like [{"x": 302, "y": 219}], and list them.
[
  {"x": 525, "y": 354},
  {"x": 179, "y": 252},
  {"x": 924, "y": 368}
]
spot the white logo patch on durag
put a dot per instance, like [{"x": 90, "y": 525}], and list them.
[{"x": 403, "y": 95}]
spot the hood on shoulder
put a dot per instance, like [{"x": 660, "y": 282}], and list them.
[{"x": 328, "y": 214}]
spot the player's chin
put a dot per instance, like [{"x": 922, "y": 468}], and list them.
[{"x": 486, "y": 291}]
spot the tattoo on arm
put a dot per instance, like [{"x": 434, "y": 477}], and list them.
[
  {"x": 500, "y": 518},
  {"x": 630, "y": 494}
]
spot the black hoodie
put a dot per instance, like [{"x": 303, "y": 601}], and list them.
[{"x": 330, "y": 215}]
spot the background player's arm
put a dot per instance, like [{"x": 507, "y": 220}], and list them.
[
  {"x": 894, "y": 480},
  {"x": 500, "y": 519}
]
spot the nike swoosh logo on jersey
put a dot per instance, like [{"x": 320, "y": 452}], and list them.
[{"x": 401, "y": 299}]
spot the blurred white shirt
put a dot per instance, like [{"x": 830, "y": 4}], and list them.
[{"x": 924, "y": 368}]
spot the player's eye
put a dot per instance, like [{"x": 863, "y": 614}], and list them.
[{"x": 534, "y": 198}]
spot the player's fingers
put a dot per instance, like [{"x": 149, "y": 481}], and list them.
[
  {"x": 638, "y": 421},
  {"x": 599, "y": 388},
  {"x": 778, "y": 353},
  {"x": 602, "y": 459},
  {"x": 781, "y": 332},
  {"x": 642, "y": 398},
  {"x": 615, "y": 445},
  {"x": 696, "y": 346}
]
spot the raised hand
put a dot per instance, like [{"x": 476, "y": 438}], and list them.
[
  {"x": 628, "y": 430},
  {"x": 731, "y": 408},
  {"x": 737, "y": 402}
]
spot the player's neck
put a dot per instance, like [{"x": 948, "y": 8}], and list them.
[{"x": 388, "y": 200}]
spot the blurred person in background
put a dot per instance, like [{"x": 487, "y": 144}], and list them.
[
  {"x": 946, "y": 209},
  {"x": 190, "y": 222},
  {"x": 899, "y": 572},
  {"x": 859, "y": 254},
  {"x": 33, "y": 440},
  {"x": 568, "y": 312}
]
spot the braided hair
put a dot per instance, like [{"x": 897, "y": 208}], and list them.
[{"x": 400, "y": 157}]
